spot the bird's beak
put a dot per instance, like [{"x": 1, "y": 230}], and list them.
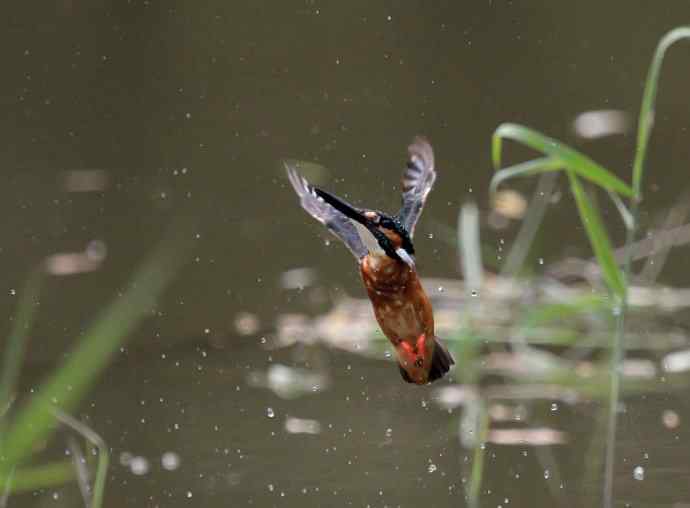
[
  {"x": 343, "y": 207},
  {"x": 402, "y": 254}
]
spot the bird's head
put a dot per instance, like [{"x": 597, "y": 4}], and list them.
[{"x": 382, "y": 233}]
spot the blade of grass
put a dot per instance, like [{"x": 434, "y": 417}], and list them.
[
  {"x": 16, "y": 342},
  {"x": 626, "y": 216},
  {"x": 646, "y": 119},
  {"x": 103, "y": 454},
  {"x": 528, "y": 168},
  {"x": 68, "y": 384},
  {"x": 644, "y": 129},
  {"x": 570, "y": 158},
  {"x": 597, "y": 237},
  {"x": 7, "y": 489},
  {"x": 39, "y": 477},
  {"x": 530, "y": 224},
  {"x": 477, "y": 474},
  {"x": 80, "y": 469}
]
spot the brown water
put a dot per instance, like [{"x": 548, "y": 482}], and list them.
[{"x": 186, "y": 105}]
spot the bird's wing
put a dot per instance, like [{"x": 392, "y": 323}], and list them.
[
  {"x": 340, "y": 225},
  {"x": 417, "y": 181}
]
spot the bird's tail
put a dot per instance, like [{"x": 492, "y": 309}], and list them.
[{"x": 440, "y": 361}]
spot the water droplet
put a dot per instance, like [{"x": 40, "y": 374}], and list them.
[
  {"x": 189, "y": 494},
  {"x": 388, "y": 354},
  {"x": 389, "y": 432},
  {"x": 269, "y": 412},
  {"x": 441, "y": 289},
  {"x": 638, "y": 473},
  {"x": 431, "y": 468},
  {"x": 474, "y": 292},
  {"x": 541, "y": 261},
  {"x": 139, "y": 466},
  {"x": 170, "y": 461},
  {"x": 13, "y": 292},
  {"x": 270, "y": 487},
  {"x": 263, "y": 340},
  {"x": 430, "y": 236},
  {"x": 547, "y": 474},
  {"x": 554, "y": 407}
]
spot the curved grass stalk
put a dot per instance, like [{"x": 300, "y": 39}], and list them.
[
  {"x": 601, "y": 244},
  {"x": 570, "y": 158},
  {"x": 528, "y": 168},
  {"x": 578, "y": 166},
  {"x": 92, "y": 437},
  {"x": 646, "y": 119},
  {"x": 644, "y": 129}
]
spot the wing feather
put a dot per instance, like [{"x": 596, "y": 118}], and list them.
[
  {"x": 338, "y": 224},
  {"x": 418, "y": 179}
]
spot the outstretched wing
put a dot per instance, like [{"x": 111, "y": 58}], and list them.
[
  {"x": 336, "y": 222},
  {"x": 417, "y": 181}
]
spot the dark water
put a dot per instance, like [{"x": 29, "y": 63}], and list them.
[{"x": 186, "y": 106}]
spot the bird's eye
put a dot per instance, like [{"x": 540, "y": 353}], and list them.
[{"x": 419, "y": 362}]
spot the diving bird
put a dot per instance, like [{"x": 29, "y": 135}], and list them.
[{"x": 383, "y": 247}]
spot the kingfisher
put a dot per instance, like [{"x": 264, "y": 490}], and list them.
[{"x": 382, "y": 245}]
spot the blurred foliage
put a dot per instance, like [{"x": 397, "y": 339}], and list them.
[{"x": 36, "y": 419}]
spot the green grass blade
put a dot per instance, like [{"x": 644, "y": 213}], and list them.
[
  {"x": 570, "y": 158},
  {"x": 39, "y": 477},
  {"x": 601, "y": 244},
  {"x": 477, "y": 474},
  {"x": 532, "y": 167},
  {"x": 646, "y": 119},
  {"x": 68, "y": 384},
  {"x": 16, "y": 342}
]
